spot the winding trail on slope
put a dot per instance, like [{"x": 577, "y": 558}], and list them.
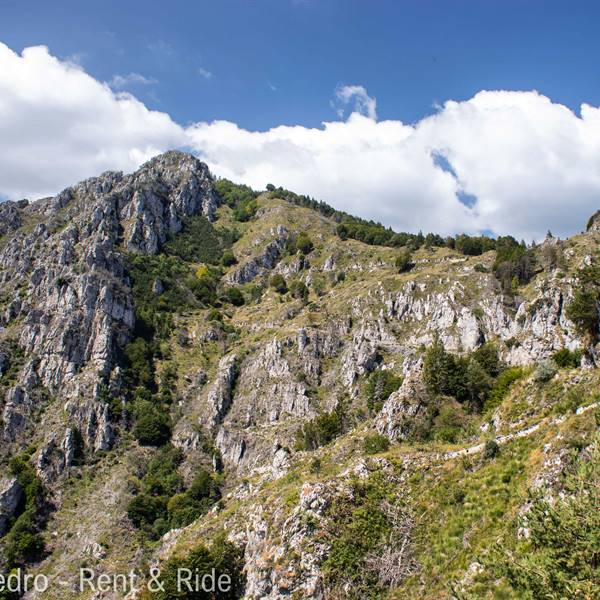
[{"x": 503, "y": 439}]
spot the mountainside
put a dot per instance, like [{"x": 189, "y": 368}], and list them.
[{"x": 193, "y": 373}]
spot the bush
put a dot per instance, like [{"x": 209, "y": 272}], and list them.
[
  {"x": 491, "y": 449},
  {"x": 545, "y": 371},
  {"x": 565, "y": 359},
  {"x": 24, "y": 543},
  {"x": 222, "y": 556},
  {"x": 145, "y": 509},
  {"x": 245, "y": 210},
  {"x": 583, "y": 311},
  {"x": 375, "y": 443},
  {"x": 381, "y": 384},
  {"x": 502, "y": 386},
  {"x": 228, "y": 258},
  {"x": 299, "y": 290},
  {"x": 198, "y": 241},
  {"x": 450, "y": 423},
  {"x": 234, "y": 296},
  {"x": 319, "y": 431},
  {"x": 152, "y": 424},
  {"x": 278, "y": 284},
  {"x": 299, "y": 243},
  {"x": 404, "y": 261}
]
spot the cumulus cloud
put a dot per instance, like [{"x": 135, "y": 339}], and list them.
[
  {"x": 122, "y": 81},
  {"x": 510, "y": 162},
  {"x": 59, "y": 125},
  {"x": 363, "y": 103}
]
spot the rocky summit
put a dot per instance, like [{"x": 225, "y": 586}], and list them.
[{"x": 194, "y": 374}]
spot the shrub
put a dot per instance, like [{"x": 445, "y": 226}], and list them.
[
  {"x": 502, "y": 386},
  {"x": 375, "y": 443},
  {"x": 481, "y": 268},
  {"x": 319, "y": 431},
  {"x": 565, "y": 359},
  {"x": 583, "y": 311},
  {"x": 234, "y": 296},
  {"x": 233, "y": 194},
  {"x": 299, "y": 290},
  {"x": 222, "y": 556},
  {"x": 145, "y": 509},
  {"x": 278, "y": 284},
  {"x": 545, "y": 371},
  {"x": 198, "y": 241},
  {"x": 152, "y": 424},
  {"x": 450, "y": 423},
  {"x": 23, "y": 542},
  {"x": 491, "y": 449},
  {"x": 245, "y": 210},
  {"x": 404, "y": 261},
  {"x": 299, "y": 243},
  {"x": 228, "y": 258}
]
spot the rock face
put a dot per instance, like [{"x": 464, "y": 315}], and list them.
[
  {"x": 11, "y": 493},
  {"x": 402, "y": 409},
  {"x": 264, "y": 261},
  {"x": 66, "y": 281},
  {"x": 248, "y": 378}
]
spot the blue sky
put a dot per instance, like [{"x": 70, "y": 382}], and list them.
[
  {"x": 410, "y": 55},
  {"x": 474, "y": 116}
]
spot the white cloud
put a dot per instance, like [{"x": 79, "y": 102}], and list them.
[
  {"x": 204, "y": 73},
  {"x": 59, "y": 125},
  {"x": 526, "y": 164},
  {"x": 122, "y": 81},
  {"x": 363, "y": 103}
]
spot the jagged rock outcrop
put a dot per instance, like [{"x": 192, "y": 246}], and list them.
[
  {"x": 264, "y": 261},
  {"x": 402, "y": 410},
  {"x": 11, "y": 216},
  {"x": 11, "y": 493},
  {"x": 70, "y": 288},
  {"x": 221, "y": 393}
]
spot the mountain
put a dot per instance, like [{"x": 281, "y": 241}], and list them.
[{"x": 193, "y": 373}]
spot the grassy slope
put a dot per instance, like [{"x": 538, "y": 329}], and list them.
[{"x": 450, "y": 534}]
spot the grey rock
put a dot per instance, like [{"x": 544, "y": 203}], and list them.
[{"x": 11, "y": 493}]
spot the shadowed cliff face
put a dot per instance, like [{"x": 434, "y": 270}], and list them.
[{"x": 246, "y": 375}]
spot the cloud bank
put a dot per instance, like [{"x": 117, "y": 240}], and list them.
[{"x": 510, "y": 162}]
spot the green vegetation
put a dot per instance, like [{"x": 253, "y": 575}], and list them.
[
  {"x": 234, "y": 296},
  {"x": 199, "y": 241},
  {"x": 559, "y": 558},
  {"x": 24, "y": 543},
  {"x": 222, "y": 556},
  {"x": 299, "y": 290},
  {"x": 162, "y": 503},
  {"x": 320, "y": 431},
  {"x": 278, "y": 284},
  {"x": 228, "y": 258},
  {"x": 469, "y": 378},
  {"x": 404, "y": 261},
  {"x": 381, "y": 384},
  {"x": 567, "y": 359},
  {"x": 514, "y": 264},
  {"x": 360, "y": 526},
  {"x": 473, "y": 245},
  {"x": 299, "y": 243},
  {"x": 583, "y": 309},
  {"x": 375, "y": 443},
  {"x": 240, "y": 198},
  {"x": 501, "y": 387}
]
